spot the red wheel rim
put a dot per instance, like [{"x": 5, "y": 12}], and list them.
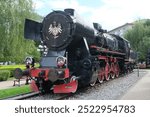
[
  {"x": 101, "y": 75},
  {"x": 112, "y": 75},
  {"x": 107, "y": 71},
  {"x": 112, "y": 71},
  {"x": 117, "y": 70}
]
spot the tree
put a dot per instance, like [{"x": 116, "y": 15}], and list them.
[
  {"x": 13, "y": 46},
  {"x": 139, "y": 37}
]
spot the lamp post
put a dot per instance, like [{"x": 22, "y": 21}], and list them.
[{"x": 137, "y": 64}]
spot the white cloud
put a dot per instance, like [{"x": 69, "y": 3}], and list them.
[
  {"x": 111, "y": 14},
  {"x": 118, "y": 12},
  {"x": 38, "y": 4}
]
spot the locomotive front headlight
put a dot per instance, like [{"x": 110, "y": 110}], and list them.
[{"x": 61, "y": 61}]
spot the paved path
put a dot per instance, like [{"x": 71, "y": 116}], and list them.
[
  {"x": 9, "y": 84},
  {"x": 140, "y": 91}
]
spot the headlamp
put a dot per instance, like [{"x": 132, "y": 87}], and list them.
[{"x": 60, "y": 61}]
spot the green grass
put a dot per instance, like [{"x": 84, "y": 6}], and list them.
[{"x": 5, "y": 93}]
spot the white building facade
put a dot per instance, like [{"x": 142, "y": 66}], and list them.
[{"x": 121, "y": 29}]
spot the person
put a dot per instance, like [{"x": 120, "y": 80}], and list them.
[{"x": 30, "y": 62}]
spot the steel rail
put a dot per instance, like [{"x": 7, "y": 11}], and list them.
[{"x": 23, "y": 96}]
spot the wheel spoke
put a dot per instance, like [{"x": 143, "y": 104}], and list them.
[
  {"x": 107, "y": 71},
  {"x": 117, "y": 70},
  {"x": 112, "y": 70},
  {"x": 107, "y": 76},
  {"x": 101, "y": 75},
  {"x": 112, "y": 75}
]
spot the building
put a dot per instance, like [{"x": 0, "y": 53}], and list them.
[{"x": 121, "y": 29}]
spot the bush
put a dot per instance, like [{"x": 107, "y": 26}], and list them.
[
  {"x": 11, "y": 71},
  {"x": 4, "y": 75},
  {"x": 11, "y": 68}
]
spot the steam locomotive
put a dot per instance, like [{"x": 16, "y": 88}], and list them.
[{"x": 78, "y": 53}]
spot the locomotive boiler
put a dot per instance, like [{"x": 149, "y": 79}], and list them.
[{"x": 78, "y": 53}]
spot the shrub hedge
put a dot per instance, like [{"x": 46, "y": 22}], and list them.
[
  {"x": 11, "y": 68},
  {"x": 4, "y": 75}
]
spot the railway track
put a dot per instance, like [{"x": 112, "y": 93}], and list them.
[
  {"x": 23, "y": 96},
  {"x": 27, "y": 96}
]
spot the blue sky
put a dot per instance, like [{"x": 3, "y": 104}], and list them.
[
  {"x": 109, "y": 13},
  {"x": 43, "y": 7}
]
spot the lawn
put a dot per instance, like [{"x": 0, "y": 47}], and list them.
[{"x": 5, "y": 93}]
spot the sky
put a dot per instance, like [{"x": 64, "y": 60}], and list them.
[{"x": 109, "y": 13}]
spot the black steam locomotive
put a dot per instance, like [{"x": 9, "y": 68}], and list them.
[{"x": 78, "y": 53}]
